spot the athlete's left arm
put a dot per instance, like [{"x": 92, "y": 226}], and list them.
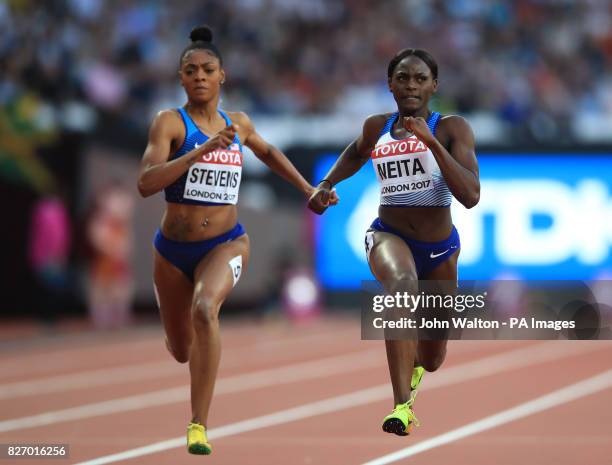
[
  {"x": 458, "y": 164},
  {"x": 270, "y": 155}
]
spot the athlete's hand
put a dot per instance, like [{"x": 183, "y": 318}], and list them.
[
  {"x": 221, "y": 140},
  {"x": 418, "y": 126},
  {"x": 322, "y": 197}
]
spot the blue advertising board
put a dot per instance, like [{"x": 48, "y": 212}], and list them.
[{"x": 539, "y": 217}]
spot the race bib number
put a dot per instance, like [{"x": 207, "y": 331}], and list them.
[
  {"x": 403, "y": 166},
  {"x": 216, "y": 177}
]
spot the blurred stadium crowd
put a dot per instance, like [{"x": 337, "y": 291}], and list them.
[{"x": 532, "y": 65}]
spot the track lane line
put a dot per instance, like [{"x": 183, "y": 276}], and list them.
[
  {"x": 499, "y": 363},
  {"x": 126, "y": 373},
  {"x": 232, "y": 355},
  {"x": 88, "y": 379},
  {"x": 548, "y": 401},
  {"x": 342, "y": 364}
]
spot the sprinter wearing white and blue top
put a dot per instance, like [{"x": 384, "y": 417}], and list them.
[
  {"x": 194, "y": 153},
  {"x": 422, "y": 159}
]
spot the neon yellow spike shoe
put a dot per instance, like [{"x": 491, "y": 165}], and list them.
[
  {"x": 400, "y": 421},
  {"x": 197, "y": 442},
  {"x": 417, "y": 376}
]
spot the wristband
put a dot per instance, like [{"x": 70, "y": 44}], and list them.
[{"x": 327, "y": 181}]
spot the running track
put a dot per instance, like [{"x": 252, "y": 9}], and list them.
[{"x": 307, "y": 394}]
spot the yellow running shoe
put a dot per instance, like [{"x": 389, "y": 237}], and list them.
[
  {"x": 417, "y": 376},
  {"x": 400, "y": 421},
  {"x": 197, "y": 442}
]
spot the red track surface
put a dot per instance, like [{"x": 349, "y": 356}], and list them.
[{"x": 274, "y": 367}]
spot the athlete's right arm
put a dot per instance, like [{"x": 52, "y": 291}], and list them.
[
  {"x": 156, "y": 172},
  {"x": 350, "y": 161}
]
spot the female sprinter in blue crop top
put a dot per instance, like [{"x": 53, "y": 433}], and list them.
[
  {"x": 194, "y": 153},
  {"x": 421, "y": 160}
]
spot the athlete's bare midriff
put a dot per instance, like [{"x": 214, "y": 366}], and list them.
[
  {"x": 429, "y": 224},
  {"x": 188, "y": 223}
]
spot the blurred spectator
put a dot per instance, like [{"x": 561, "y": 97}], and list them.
[
  {"x": 110, "y": 284},
  {"x": 49, "y": 250},
  {"x": 536, "y": 64}
]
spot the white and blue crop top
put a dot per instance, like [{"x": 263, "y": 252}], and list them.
[
  {"x": 212, "y": 180},
  {"x": 407, "y": 171}
]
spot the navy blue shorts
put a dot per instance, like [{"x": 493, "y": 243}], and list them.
[
  {"x": 427, "y": 255},
  {"x": 186, "y": 255}
]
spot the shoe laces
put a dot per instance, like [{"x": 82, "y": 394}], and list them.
[
  {"x": 413, "y": 395},
  {"x": 195, "y": 429},
  {"x": 408, "y": 407}
]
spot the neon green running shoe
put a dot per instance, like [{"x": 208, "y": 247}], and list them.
[
  {"x": 417, "y": 376},
  {"x": 400, "y": 421},
  {"x": 197, "y": 442}
]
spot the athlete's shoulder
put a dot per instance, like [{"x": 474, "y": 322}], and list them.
[
  {"x": 167, "y": 118},
  {"x": 168, "y": 115},
  {"x": 453, "y": 127},
  {"x": 243, "y": 122},
  {"x": 167, "y": 122},
  {"x": 374, "y": 124},
  {"x": 239, "y": 117},
  {"x": 379, "y": 119},
  {"x": 454, "y": 122}
]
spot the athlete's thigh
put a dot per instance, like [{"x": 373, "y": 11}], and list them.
[
  {"x": 433, "y": 349},
  {"x": 390, "y": 259},
  {"x": 392, "y": 263},
  {"x": 219, "y": 271},
  {"x": 447, "y": 270},
  {"x": 174, "y": 293}
]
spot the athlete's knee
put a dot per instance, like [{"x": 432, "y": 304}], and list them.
[
  {"x": 404, "y": 281},
  {"x": 205, "y": 312},
  {"x": 432, "y": 362}
]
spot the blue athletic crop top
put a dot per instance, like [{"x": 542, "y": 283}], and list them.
[
  {"x": 407, "y": 171},
  {"x": 213, "y": 180}
]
